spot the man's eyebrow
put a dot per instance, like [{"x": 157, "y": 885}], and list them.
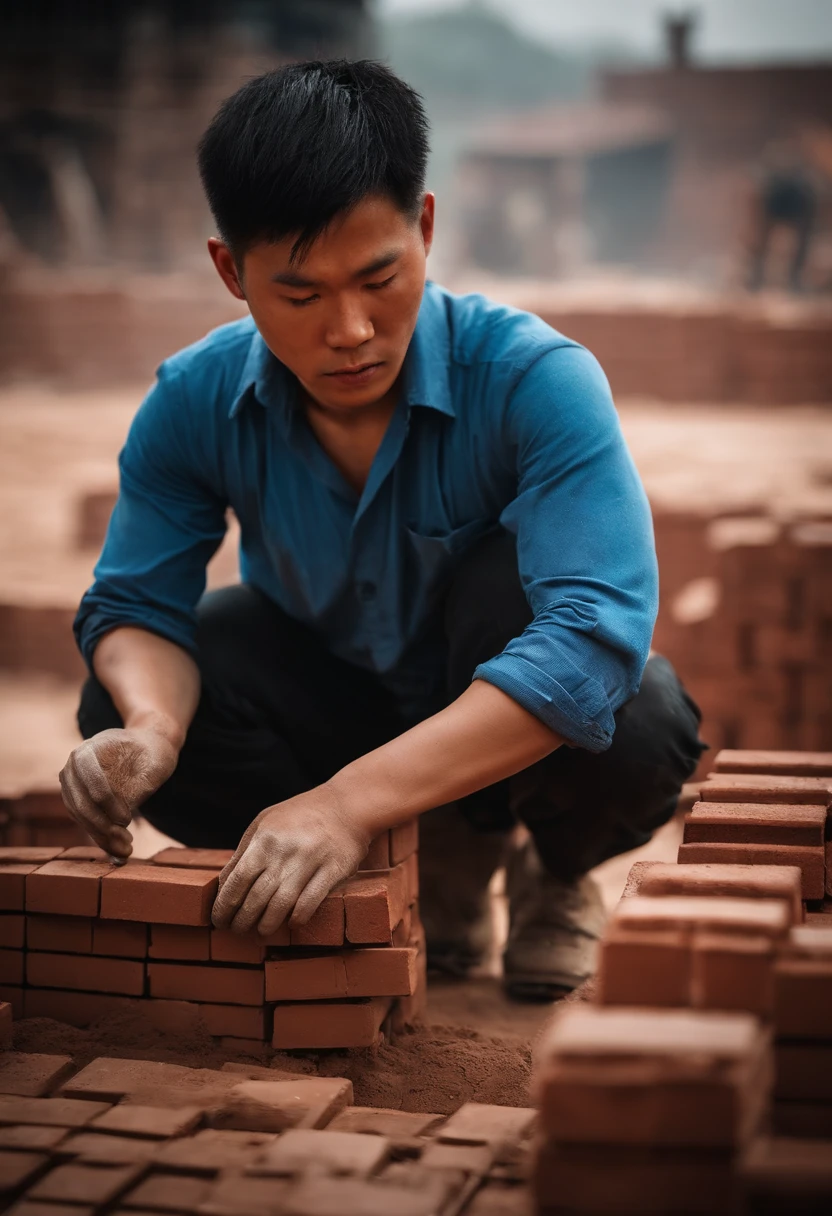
[{"x": 290, "y": 278}]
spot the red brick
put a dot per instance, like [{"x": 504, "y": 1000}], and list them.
[
  {"x": 90, "y": 1147},
  {"x": 234, "y": 1021},
  {"x": 375, "y": 905},
  {"x": 28, "y": 855},
  {"x": 411, "y": 872},
  {"x": 180, "y": 942},
  {"x": 326, "y": 927},
  {"x": 401, "y": 933},
  {"x": 788, "y": 764},
  {"x": 763, "y": 787},
  {"x": 803, "y": 998},
  {"x": 390, "y": 972},
  {"x": 159, "y": 894},
  {"x": 13, "y": 886},
  {"x": 258, "y": 1048},
  {"x": 376, "y": 1121},
  {"x": 651, "y": 1077},
  {"x": 732, "y": 972},
  {"x": 84, "y": 852},
  {"x": 74, "y": 1008},
  {"x": 319, "y": 977},
  {"x": 147, "y": 1122},
  {"x": 324, "y": 1025},
  {"x": 168, "y": 1193},
  {"x": 75, "y": 1183},
  {"x": 119, "y": 940},
  {"x": 70, "y": 934},
  {"x": 117, "y": 976},
  {"x": 404, "y": 841},
  {"x": 19, "y": 1169},
  {"x": 269, "y": 1103},
  {"x": 50, "y": 1112},
  {"x": 810, "y": 861},
  {"x": 761, "y": 823},
  {"x": 230, "y": 947},
  {"x": 213, "y": 985},
  {"x": 787, "y": 1175},
  {"x": 480, "y": 1123},
  {"x": 32, "y": 1140},
  {"x": 767, "y": 918},
  {"x": 804, "y": 1120},
  {"x": 347, "y": 1154},
  {"x": 742, "y": 881},
  {"x": 31, "y": 1074},
  {"x": 193, "y": 859},
  {"x": 66, "y": 888},
  {"x": 378, "y": 854},
  {"x": 803, "y": 1071},
  {"x": 644, "y": 968},
  {"x": 213, "y": 1149},
  {"x": 11, "y": 967},
  {"x": 12, "y": 931},
  {"x": 6, "y": 1025},
  {"x": 14, "y": 997}
]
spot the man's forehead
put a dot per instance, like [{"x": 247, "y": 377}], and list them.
[{"x": 313, "y": 271}]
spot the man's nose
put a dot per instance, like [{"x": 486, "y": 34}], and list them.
[{"x": 349, "y": 325}]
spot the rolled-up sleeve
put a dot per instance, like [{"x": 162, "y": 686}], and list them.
[
  {"x": 167, "y": 524},
  {"x": 585, "y": 552}
]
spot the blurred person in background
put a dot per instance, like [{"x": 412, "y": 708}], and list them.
[
  {"x": 449, "y": 579},
  {"x": 786, "y": 197}
]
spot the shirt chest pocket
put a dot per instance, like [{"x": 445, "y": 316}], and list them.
[{"x": 436, "y": 557}]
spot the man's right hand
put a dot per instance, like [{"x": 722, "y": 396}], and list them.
[{"x": 108, "y": 777}]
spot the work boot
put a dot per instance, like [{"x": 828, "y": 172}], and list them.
[
  {"x": 554, "y": 929},
  {"x": 456, "y": 864}
]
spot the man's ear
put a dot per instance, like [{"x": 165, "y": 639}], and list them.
[
  {"x": 223, "y": 259},
  {"x": 426, "y": 221}
]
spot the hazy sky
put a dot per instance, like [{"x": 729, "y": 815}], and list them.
[{"x": 728, "y": 29}]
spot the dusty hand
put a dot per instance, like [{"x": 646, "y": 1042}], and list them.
[
  {"x": 109, "y": 776},
  {"x": 290, "y": 858}
]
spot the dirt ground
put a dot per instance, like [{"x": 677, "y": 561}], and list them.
[{"x": 477, "y": 1045}]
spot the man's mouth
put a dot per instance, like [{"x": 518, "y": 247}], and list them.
[{"x": 359, "y": 374}]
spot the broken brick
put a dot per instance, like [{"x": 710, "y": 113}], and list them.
[
  {"x": 59, "y": 934},
  {"x": 213, "y": 985},
  {"x": 329, "y": 1024},
  {"x": 115, "y": 976},
  {"x": 159, "y": 894}
]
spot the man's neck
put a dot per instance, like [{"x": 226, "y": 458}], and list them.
[{"x": 351, "y": 438}]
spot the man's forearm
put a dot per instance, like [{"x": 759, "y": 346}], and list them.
[
  {"x": 483, "y": 737},
  {"x": 153, "y": 682}
]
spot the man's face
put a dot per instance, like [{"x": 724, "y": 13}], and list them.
[{"x": 341, "y": 317}]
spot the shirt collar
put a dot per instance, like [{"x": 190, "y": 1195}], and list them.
[{"x": 425, "y": 372}]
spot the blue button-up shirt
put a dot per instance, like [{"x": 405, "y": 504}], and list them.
[{"x": 501, "y": 421}]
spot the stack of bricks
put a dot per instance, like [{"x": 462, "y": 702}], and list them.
[
  {"x": 758, "y": 658},
  {"x": 135, "y": 1136},
  {"x": 703, "y": 1067},
  {"x": 81, "y": 937},
  {"x": 37, "y": 817}
]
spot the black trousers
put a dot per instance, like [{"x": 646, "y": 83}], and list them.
[{"x": 279, "y": 715}]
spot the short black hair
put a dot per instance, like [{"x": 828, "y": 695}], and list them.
[{"x": 295, "y": 147}]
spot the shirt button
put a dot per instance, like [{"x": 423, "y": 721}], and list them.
[{"x": 367, "y": 591}]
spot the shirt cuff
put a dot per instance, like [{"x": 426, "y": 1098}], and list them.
[
  {"x": 587, "y": 723},
  {"x": 91, "y": 628}
]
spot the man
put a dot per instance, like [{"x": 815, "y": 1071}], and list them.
[{"x": 448, "y": 574}]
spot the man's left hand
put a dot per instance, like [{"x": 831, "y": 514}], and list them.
[{"x": 288, "y": 861}]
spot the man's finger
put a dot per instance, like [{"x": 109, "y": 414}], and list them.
[
  {"x": 229, "y": 866},
  {"x": 236, "y": 888},
  {"x": 100, "y": 790},
  {"x": 280, "y": 905},
  {"x": 312, "y": 896},
  {"x": 82, "y": 809},
  {"x": 257, "y": 899}
]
